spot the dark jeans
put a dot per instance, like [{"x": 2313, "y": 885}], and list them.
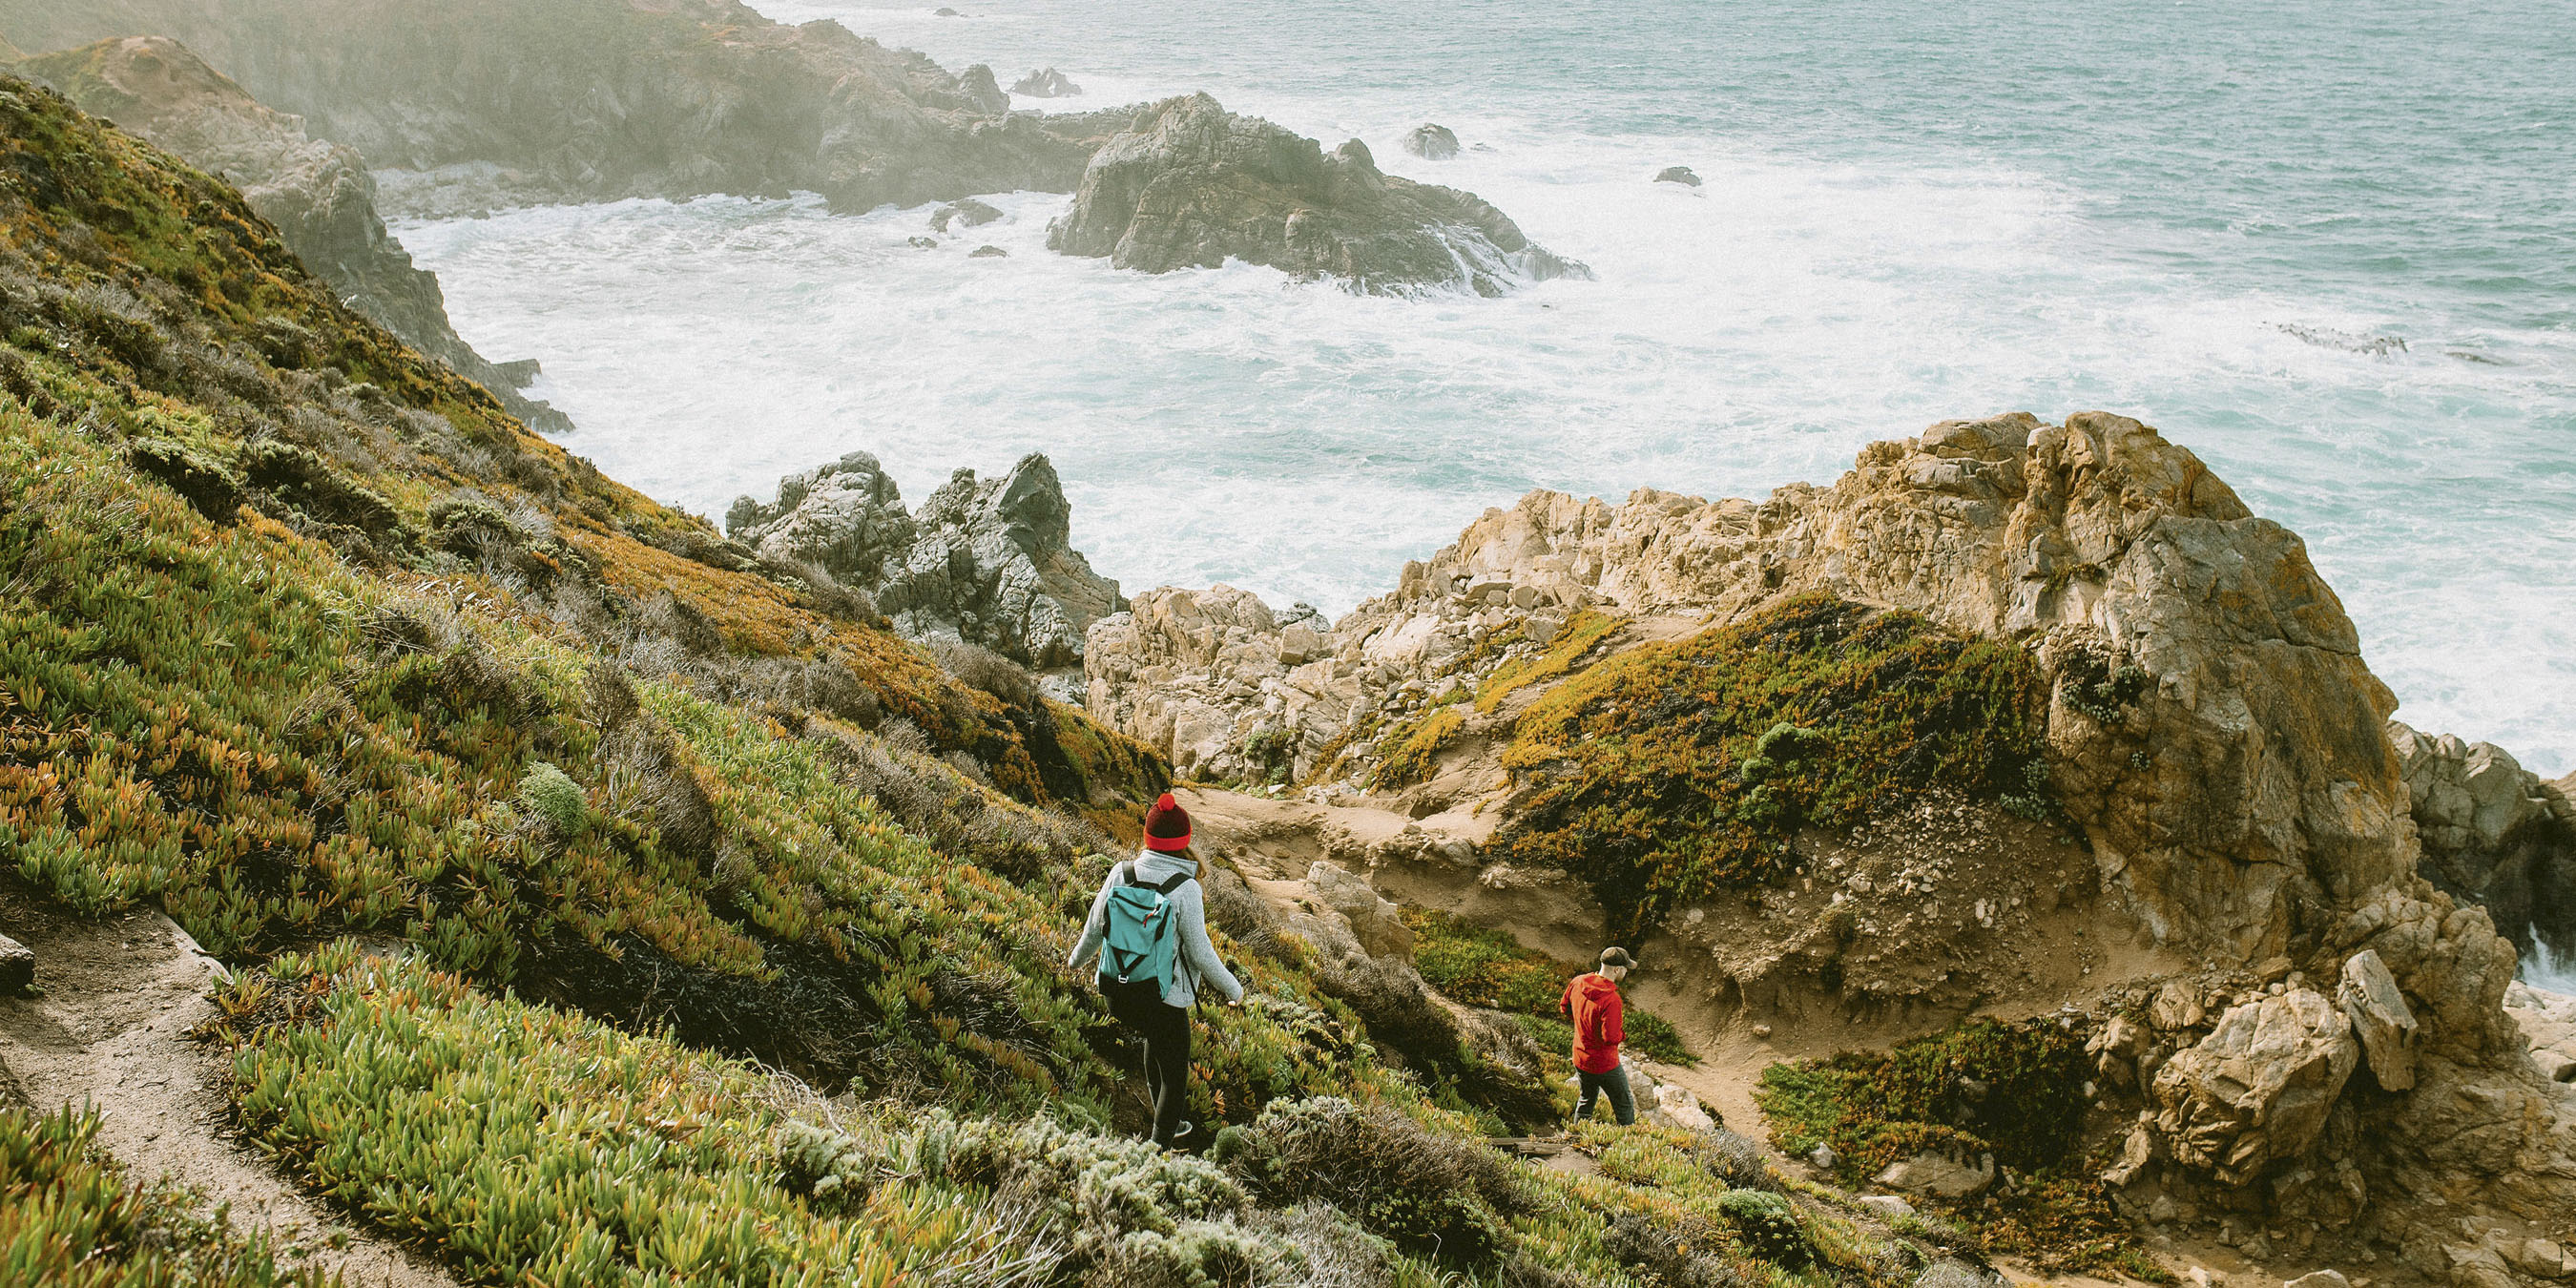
[
  {"x": 1615, "y": 1082},
  {"x": 1165, "y": 1031}
]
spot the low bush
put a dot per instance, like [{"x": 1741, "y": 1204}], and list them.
[
  {"x": 1673, "y": 771},
  {"x": 68, "y": 1219},
  {"x": 1573, "y": 642},
  {"x": 1428, "y": 1193},
  {"x": 1480, "y": 966}
]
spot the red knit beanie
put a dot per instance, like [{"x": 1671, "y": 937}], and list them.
[{"x": 1167, "y": 826}]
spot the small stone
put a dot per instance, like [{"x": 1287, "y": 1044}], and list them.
[
  {"x": 1762, "y": 1031},
  {"x": 1823, "y": 1158},
  {"x": 1886, "y": 1207},
  {"x": 17, "y": 966},
  {"x": 987, "y": 252}
]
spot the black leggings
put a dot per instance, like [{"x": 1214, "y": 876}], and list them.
[{"x": 1165, "y": 1031}]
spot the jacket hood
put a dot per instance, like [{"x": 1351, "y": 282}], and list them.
[{"x": 1594, "y": 986}]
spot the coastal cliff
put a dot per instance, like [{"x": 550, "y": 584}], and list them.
[
  {"x": 2204, "y": 724},
  {"x": 319, "y": 195}
]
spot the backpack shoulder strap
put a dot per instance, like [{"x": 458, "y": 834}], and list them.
[
  {"x": 1125, "y": 873},
  {"x": 1166, "y": 887}
]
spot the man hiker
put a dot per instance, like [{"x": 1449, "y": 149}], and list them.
[
  {"x": 1592, "y": 1003},
  {"x": 1149, "y": 928}
]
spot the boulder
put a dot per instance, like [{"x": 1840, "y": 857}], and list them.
[
  {"x": 987, "y": 252},
  {"x": 922, "y": 243},
  {"x": 1886, "y": 1207},
  {"x": 17, "y": 966},
  {"x": 969, "y": 213},
  {"x": 2258, "y": 1088},
  {"x": 2493, "y": 833},
  {"x": 1680, "y": 174},
  {"x": 2380, "y": 1018},
  {"x": 1048, "y": 83},
  {"x": 1191, "y": 185},
  {"x": 987, "y": 561},
  {"x": 1376, "y": 921},
  {"x": 319, "y": 194},
  {"x": 1431, "y": 142},
  {"x": 1939, "y": 1174}
]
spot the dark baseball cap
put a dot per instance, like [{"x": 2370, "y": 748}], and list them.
[{"x": 1617, "y": 957}]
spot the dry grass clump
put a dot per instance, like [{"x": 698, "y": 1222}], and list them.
[{"x": 1427, "y": 1193}]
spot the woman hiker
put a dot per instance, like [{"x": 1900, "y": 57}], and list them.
[
  {"x": 1592, "y": 1003},
  {"x": 1149, "y": 928}
]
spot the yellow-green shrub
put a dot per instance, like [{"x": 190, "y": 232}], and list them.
[{"x": 69, "y": 1220}]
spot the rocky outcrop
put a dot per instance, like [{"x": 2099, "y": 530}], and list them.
[
  {"x": 2548, "y": 1024},
  {"x": 2494, "y": 833},
  {"x": 1680, "y": 174},
  {"x": 1192, "y": 185},
  {"x": 986, "y": 561},
  {"x": 969, "y": 213},
  {"x": 318, "y": 194},
  {"x": 484, "y": 103},
  {"x": 2213, "y": 734},
  {"x": 1049, "y": 83},
  {"x": 1431, "y": 142}
]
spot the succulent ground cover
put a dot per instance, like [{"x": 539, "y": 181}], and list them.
[
  {"x": 2016, "y": 1091},
  {"x": 1673, "y": 771},
  {"x": 1480, "y": 966},
  {"x": 68, "y": 1216}
]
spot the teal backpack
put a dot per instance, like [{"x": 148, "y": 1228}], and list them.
[{"x": 1142, "y": 938}]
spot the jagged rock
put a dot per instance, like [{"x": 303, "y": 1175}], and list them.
[
  {"x": 2258, "y": 1088},
  {"x": 2380, "y": 1018},
  {"x": 987, "y": 252},
  {"x": 2548, "y": 1024},
  {"x": 1193, "y": 185},
  {"x": 1431, "y": 142},
  {"x": 1375, "y": 920},
  {"x": 921, "y": 243},
  {"x": 17, "y": 966},
  {"x": 969, "y": 213},
  {"x": 2495, "y": 833},
  {"x": 472, "y": 105},
  {"x": 318, "y": 194},
  {"x": 2377, "y": 346},
  {"x": 1939, "y": 1174},
  {"x": 1678, "y": 1107},
  {"x": 1049, "y": 83},
  {"x": 987, "y": 561},
  {"x": 1680, "y": 174}
]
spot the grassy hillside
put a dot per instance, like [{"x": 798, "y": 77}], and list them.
[{"x": 535, "y": 814}]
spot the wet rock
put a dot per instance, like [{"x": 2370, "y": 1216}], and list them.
[
  {"x": 2494, "y": 833},
  {"x": 1048, "y": 83},
  {"x": 988, "y": 561},
  {"x": 987, "y": 252},
  {"x": 1192, "y": 185},
  {"x": 1431, "y": 142},
  {"x": 922, "y": 243},
  {"x": 969, "y": 213},
  {"x": 2324, "y": 337},
  {"x": 1680, "y": 174}
]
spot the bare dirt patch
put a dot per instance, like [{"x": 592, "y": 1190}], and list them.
[{"x": 108, "y": 1026}]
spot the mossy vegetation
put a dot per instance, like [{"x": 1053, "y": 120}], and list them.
[
  {"x": 1673, "y": 771},
  {"x": 1480, "y": 966},
  {"x": 1982, "y": 1087},
  {"x": 1413, "y": 748},
  {"x": 70, "y": 1218},
  {"x": 1573, "y": 642}
]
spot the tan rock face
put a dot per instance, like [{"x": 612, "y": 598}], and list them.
[{"x": 2258, "y": 1088}]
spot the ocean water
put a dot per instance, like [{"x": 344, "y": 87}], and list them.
[{"x": 1911, "y": 212}]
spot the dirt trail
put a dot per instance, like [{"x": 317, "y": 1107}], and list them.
[{"x": 109, "y": 1028}]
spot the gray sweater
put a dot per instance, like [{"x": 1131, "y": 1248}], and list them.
[{"x": 1198, "y": 959}]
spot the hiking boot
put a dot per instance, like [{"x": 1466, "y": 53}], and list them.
[{"x": 1182, "y": 1132}]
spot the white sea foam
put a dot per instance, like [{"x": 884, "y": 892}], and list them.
[
  {"x": 1303, "y": 442},
  {"x": 2542, "y": 970}
]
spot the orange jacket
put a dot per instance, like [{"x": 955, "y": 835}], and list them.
[{"x": 1593, "y": 1004}]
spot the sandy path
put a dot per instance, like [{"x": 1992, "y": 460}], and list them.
[{"x": 109, "y": 1028}]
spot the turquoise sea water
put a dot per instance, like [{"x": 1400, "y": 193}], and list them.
[{"x": 1912, "y": 212}]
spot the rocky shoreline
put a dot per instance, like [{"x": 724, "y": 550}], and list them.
[{"x": 2320, "y": 1042}]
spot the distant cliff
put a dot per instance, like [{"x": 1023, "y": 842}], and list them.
[{"x": 318, "y": 194}]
